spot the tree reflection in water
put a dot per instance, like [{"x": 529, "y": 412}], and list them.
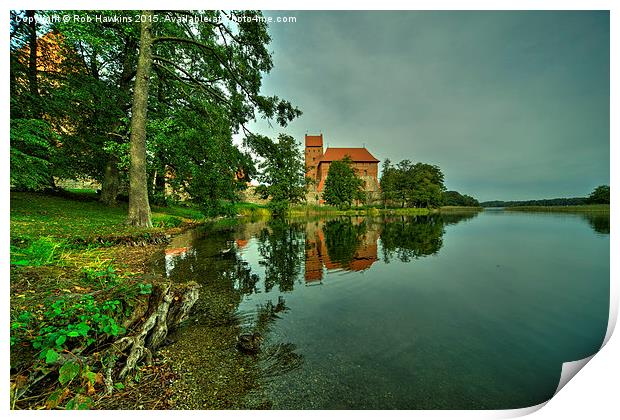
[
  {"x": 598, "y": 221},
  {"x": 281, "y": 246},
  {"x": 408, "y": 238}
]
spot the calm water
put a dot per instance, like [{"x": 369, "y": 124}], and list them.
[{"x": 451, "y": 312}]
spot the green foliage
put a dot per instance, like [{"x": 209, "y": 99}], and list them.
[
  {"x": 41, "y": 251},
  {"x": 412, "y": 185},
  {"x": 167, "y": 221},
  {"x": 278, "y": 209},
  {"x": 145, "y": 289},
  {"x": 79, "y": 402},
  {"x": 206, "y": 83},
  {"x": 282, "y": 172},
  {"x": 103, "y": 277},
  {"x": 31, "y": 146},
  {"x": 67, "y": 219},
  {"x": 600, "y": 195},
  {"x": 69, "y": 325},
  {"x": 454, "y": 198},
  {"x": 342, "y": 185}
]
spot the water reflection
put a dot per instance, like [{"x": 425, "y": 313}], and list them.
[
  {"x": 492, "y": 334},
  {"x": 598, "y": 221},
  {"x": 347, "y": 244},
  {"x": 314, "y": 247},
  {"x": 281, "y": 244}
]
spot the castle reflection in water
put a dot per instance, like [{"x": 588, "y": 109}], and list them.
[
  {"x": 291, "y": 251},
  {"x": 318, "y": 256}
]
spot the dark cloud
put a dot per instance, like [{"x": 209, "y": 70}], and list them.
[{"x": 511, "y": 105}]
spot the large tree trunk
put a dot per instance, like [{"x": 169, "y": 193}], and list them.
[
  {"x": 111, "y": 181},
  {"x": 139, "y": 209}
]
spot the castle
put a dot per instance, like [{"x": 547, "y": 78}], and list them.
[{"x": 365, "y": 165}]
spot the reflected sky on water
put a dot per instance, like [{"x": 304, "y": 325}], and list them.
[{"x": 444, "y": 311}]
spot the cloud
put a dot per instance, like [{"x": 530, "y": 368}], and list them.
[{"x": 511, "y": 105}]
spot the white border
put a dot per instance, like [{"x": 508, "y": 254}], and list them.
[{"x": 593, "y": 394}]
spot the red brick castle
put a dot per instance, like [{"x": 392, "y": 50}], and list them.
[{"x": 317, "y": 163}]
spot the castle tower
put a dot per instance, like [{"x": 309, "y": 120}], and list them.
[{"x": 313, "y": 154}]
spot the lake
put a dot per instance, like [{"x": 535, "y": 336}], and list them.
[{"x": 452, "y": 311}]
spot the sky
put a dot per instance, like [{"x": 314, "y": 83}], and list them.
[{"x": 510, "y": 105}]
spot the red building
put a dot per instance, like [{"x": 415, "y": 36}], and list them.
[{"x": 318, "y": 161}]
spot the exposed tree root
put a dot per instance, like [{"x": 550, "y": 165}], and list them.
[{"x": 167, "y": 308}]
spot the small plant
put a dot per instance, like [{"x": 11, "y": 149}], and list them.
[
  {"x": 75, "y": 325},
  {"x": 41, "y": 251},
  {"x": 167, "y": 221},
  {"x": 103, "y": 277},
  {"x": 145, "y": 289}
]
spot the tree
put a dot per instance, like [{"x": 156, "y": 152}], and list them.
[
  {"x": 209, "y": 60},
  {"x": 454, "y": 198},
  {"x": 388, "y": 182},
  {"x": 139, "y": 208},
  {"x": 282, "y": 173},
  {"x": 342, "y": 185},
  {"x": 600, "y": 195},
  {"x": 408, "y": 184},
  {"x": 81, "y": 77},
  {"x": 204, "y": 66}
]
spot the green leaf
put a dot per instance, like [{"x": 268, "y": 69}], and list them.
[
  {"x": 61, "y": 340},
  {"x": 67, "y": 372},
  {"x": 119, "y": 385},
  {"x": 50, "y": 356},
  {"x": 82, "y": 328}
]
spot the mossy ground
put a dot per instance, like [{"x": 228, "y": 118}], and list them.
[{"x": 54, "y": 255}]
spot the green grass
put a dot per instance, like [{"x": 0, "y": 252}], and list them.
[
  {"x": 252, "y": 210},
  {"x": 585, "y": 208},
  {"x": 38, "y": 215},
  {"x": 314, "y": 210},
  {"x": 447, "y": 209}
]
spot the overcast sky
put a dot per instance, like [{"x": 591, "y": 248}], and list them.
[{"x": 510, "y": 105}]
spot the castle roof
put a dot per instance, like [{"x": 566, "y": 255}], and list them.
[
  {"x": 314, "y": 141},
  {"x": 357, "y": 154}
]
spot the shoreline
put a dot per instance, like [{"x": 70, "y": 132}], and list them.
[
  {"x": 585, "y": 208},
  {"x": 99, "y": 258}
]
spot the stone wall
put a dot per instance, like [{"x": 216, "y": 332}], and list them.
[
  {"x": 83, "y": 184},
  {"x": 248, "y": 195}
]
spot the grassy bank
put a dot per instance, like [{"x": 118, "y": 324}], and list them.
[
  {"x": 76, "y": 279},
  {"x": 585, "y": 208},
  {"x": 255, "y": 210},
  {"x": 459, "y": 209},
  {"x": 310, "y": 210}
]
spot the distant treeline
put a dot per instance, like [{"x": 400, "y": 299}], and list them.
[
  {"x": 574, "y": 201},
  {"x": 600, "y": 195}
]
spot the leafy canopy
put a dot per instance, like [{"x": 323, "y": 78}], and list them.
[
  {"x": 342, "y": 185},
  {"x": 282, "y": 171}
]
